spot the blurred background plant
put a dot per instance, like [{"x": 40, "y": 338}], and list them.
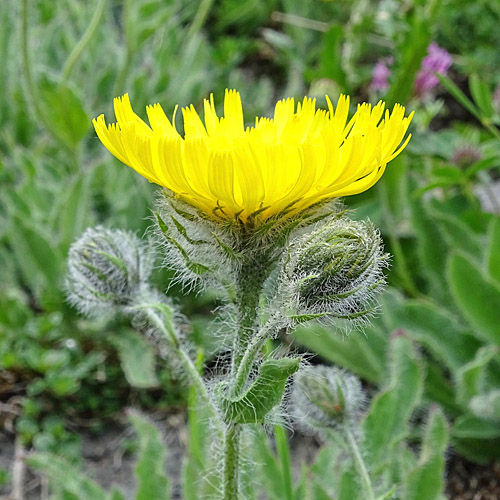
[{"x": 438, "y": 206}]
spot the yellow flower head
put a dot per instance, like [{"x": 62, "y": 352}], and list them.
[{"x": 283, "y": 164}]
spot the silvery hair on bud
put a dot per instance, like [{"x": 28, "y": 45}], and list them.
[
  {"x": 106, "y": 269},
  {"x": 334, "y": 271},
  {"x": 325, "y": 397}
]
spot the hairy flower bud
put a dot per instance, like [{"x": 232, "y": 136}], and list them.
[
  {"x": 324, "y": 397},
  {"x": 106, "y": 269},
  {"x": 333, "y": 272}
]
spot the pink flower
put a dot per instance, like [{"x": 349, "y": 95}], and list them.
[
  {"x": 380, "y": 76},
  {"x": 437, "y": 60}
]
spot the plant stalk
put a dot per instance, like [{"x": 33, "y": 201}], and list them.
[
  {"x": 188, "y": 365},
  {"x": 82, "y": 43},
  {"x": 246, "y": 363},
  {"x": 251, "y": 280},
  {"x": 199, "y": 19},
  {"x": 360, "y": 465},
  {"x": 231, "y": 458}
]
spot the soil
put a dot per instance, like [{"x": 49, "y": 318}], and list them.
[
  {"x": 468, "y": 481},
  {"x": 107, "y": 463}
]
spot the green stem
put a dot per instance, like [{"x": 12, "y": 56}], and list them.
[
  {"x": 82, "y": 43},
  {"x": 399, "y": 256},
  {"x": 246, "y": 362},
  {"x": 199, "y": 18},
  {"x": 360, "y": 465},
  {"x": 188, "y": 365},
  {"x": 249, "y": 287},
  {"x": 231, "y": 452},
  {"x": 122, "y": 75}
]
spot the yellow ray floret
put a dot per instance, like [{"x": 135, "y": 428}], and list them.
[{"x": 286, "y": 163}]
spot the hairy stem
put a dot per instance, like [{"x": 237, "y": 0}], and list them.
[
  {"x": 360, "y": 465},
  {"x": 187, "y": 364},
  {"x": 249, "y": 287},
  {"x": 246, "y": 363},
  {"x": 84, "y": 40},
  {"x": 231, "y": 452}
]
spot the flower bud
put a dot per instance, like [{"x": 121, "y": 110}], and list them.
[
  {"x": 465, "y": 155},
  {"x": 333, "y": 272},
  {"x": 324, "y": 397},
  {"x": 106, "y": 269}
]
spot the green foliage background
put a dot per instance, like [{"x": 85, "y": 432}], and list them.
[{"x": 63, "y": 62}]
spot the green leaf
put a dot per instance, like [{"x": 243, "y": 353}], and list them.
[
  {"x": 66, "y": 476},
  {"x": 64, "y": 109},
  {"x": 482, "y": 96},
  {"x": 269, "y": 467},
  {"x": 493, "y": 253},
  {"x": 137, "y": 358},
  {"x": 438, "y": 330},
  {"x": 457, "y": 233},
  {"x": 469, "y": 426},
  {"x": 427, "y": 479},
  {"x": 37, "y": 256},
  {"x": 331, "y": 56},
  {"x": 262, "y": 396},
  {"x": 348, "y": 487},
  {"x": 487, "y": 405},
  {"x": 484, "y": 164},
  {"x": 386, "y": 422},
  {"x": 439, "y": 387},
  {"x": 150, "y": 468},
  {"x": 470, "y": 377},
  {"x": 477, "y": 296},
  {"x": 387, "y": 495},
  {"x": 413, "y": 49},
  {"x": 482, "y": 451},
  {"x": 395, "y": 187},
  {"x": 73, "y": 211},
  {"x": 283, "y": 450},
  {"x": 361, "y": 353},
  {"x": 459, "y": 95},
  {"x": 115, "y": 494}
]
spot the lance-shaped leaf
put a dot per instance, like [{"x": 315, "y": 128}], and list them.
[
  {"x": 471, "y": 376},
  {"x": 387, "y": 420},
  {"x": 471, "y": 427},
  {"x": 66, "y": 477},
  {"x": 426, "y": 480},
  {"x": 137, "y": 358},
  {"x": 477, "y": 295},
  {"x": 150, "y": 468},
  {"x": 493, "y": 255},
  {"x": 262, "y": 396}
]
